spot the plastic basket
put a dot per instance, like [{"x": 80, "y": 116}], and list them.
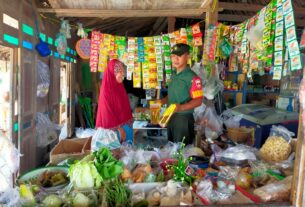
[{"x": 241, "y": 135}]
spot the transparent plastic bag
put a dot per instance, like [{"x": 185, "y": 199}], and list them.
[
  {"x": 230, "y": 120},
  {"x": 239, "y": 155},
  {"x": 217, "y": 153},
  {"x": 212, "y": 123},
  {"x": 212, "y": 87},
  {"x": 84, "y": 133},
  {"x": 43, "y": 79},
  {"x": 224, "y": 190},
  {"x": 63, "y": 132},
  {"x": 281, "y": 131},
  {"x": 9, "y": 163},
  {"x": 10, "y": 197},
  {"x": 133, "y": 157},
  {"x": 105, "y": 138},
  {"x": 61, "y": 42},
  {"x": 199, "y": 112},
  {"x": 278, "y": 191},
  {"x": 46, "y": 130},
  {"x": 229, "y": 172},
  {"x": 168, "y": 151}
]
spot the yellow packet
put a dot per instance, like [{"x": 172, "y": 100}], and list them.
[{"x": 167, "y": 115}]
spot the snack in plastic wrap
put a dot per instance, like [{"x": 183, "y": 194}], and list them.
[
  {"x": 167, "y": 115},
  {"x": 275, "y": 149},
  {"x": 139, "y": 173},
  {"x": 244, "y": 180},
  {"x": 278, "y": 191}
]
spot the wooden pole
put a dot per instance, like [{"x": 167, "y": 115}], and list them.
[
  {"x": 297, "y": 189},
  {"x": 171, "y": 24},
  {"x": 211, "y": 17}
]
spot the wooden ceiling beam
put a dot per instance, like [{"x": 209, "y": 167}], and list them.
[
  {"x": 124, "y": 13},
  {"x": 253, "y": 7},
  {"x": 241, "y": 18}
]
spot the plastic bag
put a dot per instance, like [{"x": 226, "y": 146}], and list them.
[
  {"x": 279, "y": 191},
  {"x": 217, "y": 152},
  {"x": 84, "y": 133},
  {"x": 212, "y": 123},
  {"x": 212, "y": 87},
  {"x": 230, "y": 120},
  {"x": 199, "y": 112},
  {"x": 229, "y": 172},
  {"x": 46, "y": 130},
  {"x": 43, "y": 79},
  {"x": 133, "y": 157},
  {"x": 61, "y": 42},
  {"x": 168, "y": 151},
  {"x": 198, "y": 69},
  {"x": 239, "y": 155},
  {"x": 63, "y": 132},
  {"x": 105, "y": 138},
  {"x": 9, "y": 163},
  {"x": 224, "y": 190},
  {"x": 281, "y": 131},
  {"x": 10, "y": 197}
]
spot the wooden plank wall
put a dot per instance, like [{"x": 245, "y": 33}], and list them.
[{"x": 29, "y": 103}]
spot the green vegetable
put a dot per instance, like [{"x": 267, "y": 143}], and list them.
[
  {"x": 142, "y": 203},
  {"x": 84, "y": 174},
  {"x": 116, "y": 194},
  {"x": 52, "y": 201},
  {"x": 80, "y": 200},
  {"x": 107, "y": 166}
]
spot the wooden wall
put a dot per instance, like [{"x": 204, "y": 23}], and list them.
[{"x": 25, "y": 80}]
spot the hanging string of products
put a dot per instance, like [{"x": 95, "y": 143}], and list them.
[
  {"x": 147, "y": 58},
  {"x": 266, "y": 43}
]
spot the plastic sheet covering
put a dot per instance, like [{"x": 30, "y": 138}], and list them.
[
  {"x": 43, "y": 79},
  {"x": 46, "y": 130}
]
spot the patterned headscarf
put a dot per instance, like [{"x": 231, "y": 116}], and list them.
[{"x": 119, "y": 67}]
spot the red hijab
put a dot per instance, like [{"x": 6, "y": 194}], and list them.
[{"x": 113, "y": 107}]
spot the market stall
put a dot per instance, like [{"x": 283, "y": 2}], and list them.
[{"x": 245, "y": 156}]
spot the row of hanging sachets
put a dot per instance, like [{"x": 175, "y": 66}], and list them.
[{"x": 147, "y": 59}]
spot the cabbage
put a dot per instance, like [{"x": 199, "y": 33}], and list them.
[{"x": 84, "y": 174}]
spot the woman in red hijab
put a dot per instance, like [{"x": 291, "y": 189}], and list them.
[{"x": 114, "y": 111}]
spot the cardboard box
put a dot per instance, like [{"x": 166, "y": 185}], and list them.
[
  {"x": 87, "y": 146},
  {"x": 70, "y": 148}
]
